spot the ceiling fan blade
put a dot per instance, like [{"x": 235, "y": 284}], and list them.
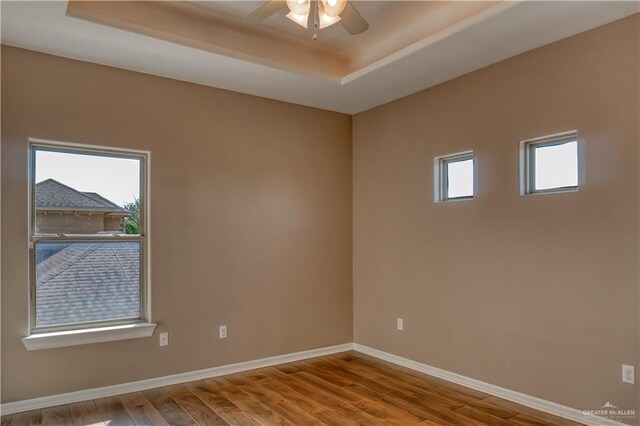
[
  {"x": 352, "y": 21},
  {"x": 267, "y": 9}
]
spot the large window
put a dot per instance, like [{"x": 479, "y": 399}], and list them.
[
  {"x": 454, "y": 177},
  {"x": 549, "y": 164},
  {"x": 88, "y": 233}
]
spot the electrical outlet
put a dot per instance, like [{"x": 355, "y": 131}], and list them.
[
  {"x": 628, "y": 374},
  {"x": 223, "y": 331},
  {"x": 164, "y": 339},
  {"x": 400, "y": 324}
]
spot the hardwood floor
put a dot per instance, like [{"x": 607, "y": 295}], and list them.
[{"x": 343, "y": 389}]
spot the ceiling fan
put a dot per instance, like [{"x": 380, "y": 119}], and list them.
[{"x": 315, "y": 14}]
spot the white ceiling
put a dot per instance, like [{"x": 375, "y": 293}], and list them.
[
  {"x": 490, "y": 36},
  {"x": 385, "y": 18}
]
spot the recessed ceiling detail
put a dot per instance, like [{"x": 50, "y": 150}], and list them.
[
  {"x": 261, "y": 33},
  {"x": 409, "y": 45}
]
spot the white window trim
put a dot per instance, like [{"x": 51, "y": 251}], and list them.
[
  {"x": 526, "y": 184},
  {"x": 439, "y": 178},
  {"x": 92, "y": 332}
]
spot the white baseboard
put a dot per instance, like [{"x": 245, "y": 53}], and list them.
[
  {"x": 83, "y": 395},
  {"x": 520, "y": 398}
]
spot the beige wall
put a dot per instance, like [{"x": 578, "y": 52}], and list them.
[
  {"x": 538, "y": 294},
  {"x": 78, "y": 223},
  {"x": 113, "y": 224},
  {"x": 251, "y": 220},
  {"x": 70, "y": 222}
]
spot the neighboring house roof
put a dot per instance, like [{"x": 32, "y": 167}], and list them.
[
  {"x": 97, "y": 197},
  {"x": 87, "y": 282},
  {"x": 53, "y": 195}
]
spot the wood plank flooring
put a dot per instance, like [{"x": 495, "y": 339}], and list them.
[{"x": 343, "y": 389}]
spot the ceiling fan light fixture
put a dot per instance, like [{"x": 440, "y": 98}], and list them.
[
  {"x": 327, "y": 21},
  {"x": 324, "y": 20},
  {"x": 333, "y": 8},
  {"x": 298, "y": 19},
  {"x": 299, "y": 7},
  {"x": 318, "y": 14}
]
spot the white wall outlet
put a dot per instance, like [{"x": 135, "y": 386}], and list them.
[
  {"x": 164, "y": 339},
  {"x": 223, "y": 331},
  {"x": 628, "y": 374},
  {"x": 400, "y": 324}
]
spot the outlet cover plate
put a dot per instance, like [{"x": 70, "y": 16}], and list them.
[
  {"x": 628, "y": 374},
  {"x": 164, "y": 339}
]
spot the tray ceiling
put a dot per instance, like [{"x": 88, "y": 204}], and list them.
[{"x": 410, "y": 45}]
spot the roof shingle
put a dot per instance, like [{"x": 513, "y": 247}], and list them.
[
  {"x": 53, "y": 195},
  {"x": 88, "y": 282}
]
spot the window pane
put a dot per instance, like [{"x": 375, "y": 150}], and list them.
[
  {"x": 460, "y": 179},
  {"x": 80, "y": 282},
  {"x": 556, "y": 166},
  {"x": 86, "y": 194}
]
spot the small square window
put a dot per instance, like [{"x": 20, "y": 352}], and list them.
[
  {"x": 550, "y": 164},
  {"x": 454, "y": 177}
]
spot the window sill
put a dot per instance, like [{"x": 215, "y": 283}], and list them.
[
  {"x": 59, "y": 339},
  {"x": 561, "y": 190},
  {"x": 456, "y": 199}
]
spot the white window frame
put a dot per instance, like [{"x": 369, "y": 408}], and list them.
[
  {"x": 44, "y": 337},
  {"x": 528, "y": 167},
  {"x": 441, "y": 183}
]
